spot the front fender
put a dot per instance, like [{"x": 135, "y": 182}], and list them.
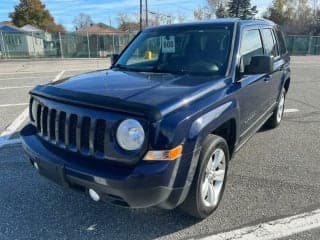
[
  {"x": 211, "y": 120},
  {"x": 200, "y": 128}
]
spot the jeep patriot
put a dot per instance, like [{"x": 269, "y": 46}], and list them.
[{"x": 159, "y": 127}]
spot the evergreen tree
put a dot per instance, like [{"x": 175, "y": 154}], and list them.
[
  {"x": 241, "y": 9},
  {"x": 221, "y": 11},
  {"x": 35, "y": 13}
]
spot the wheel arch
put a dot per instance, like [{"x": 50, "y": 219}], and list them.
[
  {"x": 286, "y": 84},
  {"x": 221, "y": 121}
]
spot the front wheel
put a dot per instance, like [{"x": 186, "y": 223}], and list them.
[
  {"x": 209, "y": 180},
  {"x": 277, "y": 115}
]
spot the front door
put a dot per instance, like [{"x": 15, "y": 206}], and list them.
[{"x": 253, "y": 93}]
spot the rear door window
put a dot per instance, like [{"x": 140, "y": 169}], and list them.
[
  {"x": 270, "y": 43},
  {"x": 282, "y": 43}
]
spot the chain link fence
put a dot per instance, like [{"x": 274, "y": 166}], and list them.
[
  {"x": 62, "y": 45},
  {"x": 303, "y": 45},
  {"x": 84, "y": 45}
]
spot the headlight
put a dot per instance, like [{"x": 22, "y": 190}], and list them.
[
  {"x": 34, "y": 109},
  {"x": 130, "y": 135}
]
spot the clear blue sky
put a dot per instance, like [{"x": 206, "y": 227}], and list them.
[{"x": 64, "y": 11}]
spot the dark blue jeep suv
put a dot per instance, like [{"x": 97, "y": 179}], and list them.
[{"x": 159, "y": 127}]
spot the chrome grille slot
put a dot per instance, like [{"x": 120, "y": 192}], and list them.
[
  {"x": 99, "y": 136},
  {"x": 72, "y": 128},
  {"x": 71, "y": 131},
  {"x": 38, "y": 122},
  {"x": 52, "y": 124},
  {"x": 85, "y": 134},
  {"x": 61, "y": 127},
  {"x": 44, "y": 121}
]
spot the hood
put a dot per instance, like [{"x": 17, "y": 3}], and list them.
[{"x": 163, "y": 91}]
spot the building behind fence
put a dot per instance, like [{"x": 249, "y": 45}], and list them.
[{"x": 85, "y": 45}]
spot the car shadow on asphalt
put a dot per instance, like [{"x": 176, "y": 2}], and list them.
[{"x": 35, "y": 208}]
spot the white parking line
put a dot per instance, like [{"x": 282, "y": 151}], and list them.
[
  {"x": 69, "y": 70},
  {"x": 291, "y": 110},
  {"x": 15, "y": 125},
  {"x": 24, "y": 73},
  {"x": 273, "y": 230},
  {"x": 23, "y": 78},
  {"x": 13, "y": 105},
  {"x": 58, "y": 76},
  {"x": 6, "y": 88}
]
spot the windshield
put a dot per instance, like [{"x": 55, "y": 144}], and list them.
[{"x": 179, "y": 50}]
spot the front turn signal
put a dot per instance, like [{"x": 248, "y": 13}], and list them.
[{"x": 164, "y": 155}]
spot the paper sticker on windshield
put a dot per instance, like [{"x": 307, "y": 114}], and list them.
[{"x": 168, "y": 44}]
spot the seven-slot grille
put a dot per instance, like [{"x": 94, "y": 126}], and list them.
[{"x": 71, "y": 131}]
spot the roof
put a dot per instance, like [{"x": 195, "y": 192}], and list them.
[
  {"x": 99, "y": 28},
  {"x": 7, "y": 23},
  {"x": 215, "y": 21},
  {"x": 30, "y": 28},
  {"x": 4, "y": 27},
  {"x": 7, "y": 26}
]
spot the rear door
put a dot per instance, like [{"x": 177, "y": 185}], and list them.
[
  {"x": 271, "y": 48},
  {"x": 252, "y": 95}
]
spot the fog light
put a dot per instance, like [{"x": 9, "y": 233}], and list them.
[{"x": 94, "y": 195}]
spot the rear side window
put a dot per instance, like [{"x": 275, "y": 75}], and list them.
[
  {"x": 251, "y": 45},
  {"x": 282, "y": 43},
  {"x": 270, "y": 43}
]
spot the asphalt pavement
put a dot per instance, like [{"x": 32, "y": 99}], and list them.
[{"x": 275, "y": 175}]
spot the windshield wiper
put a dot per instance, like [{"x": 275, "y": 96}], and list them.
[
  {"x": 121, "y": 66},
  {"x": 179, "y": 71},
  {"x": 126, "y": 68}
]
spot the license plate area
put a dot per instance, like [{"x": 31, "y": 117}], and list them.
[{"x": 52, "y": 171}]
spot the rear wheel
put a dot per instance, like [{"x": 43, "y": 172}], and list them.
[
  {"x": 277, "y": 115},
  {"x": 209, "y": 180}
]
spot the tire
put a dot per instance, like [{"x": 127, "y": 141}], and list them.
[
  {"x": 275, "y": 120},
  {"x": 198, "y": 203}
]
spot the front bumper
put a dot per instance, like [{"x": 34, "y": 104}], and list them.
[{"x": 143, "y": 185}]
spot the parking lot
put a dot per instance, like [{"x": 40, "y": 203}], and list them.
[{"x": 274, "y": 176}]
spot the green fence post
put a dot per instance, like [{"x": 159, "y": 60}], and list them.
[
  {"x": 60, "y": 41},
  {"x": 309, "y": 45},
  {"x": 3, "y": 49},
  {"x": 113, "y": 47},
  {"x": 88, "y": 45},
  {"x": 33, "y": 45}
]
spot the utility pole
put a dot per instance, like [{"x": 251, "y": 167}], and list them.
[
  {"x": 146, "y": 3},
  {"x": 315, "y": 9},
  {"x": 140, "y": 15}
]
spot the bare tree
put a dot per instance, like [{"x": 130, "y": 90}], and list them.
[
  {"x": 212, "y": 8},
  {"x": 181, "y": 18},
  {"x": 202, "y": 13},
  {"x": 161, "y": 18},
  {"x": 128, "y": 23},
  {"x": 82, "y": 21}
]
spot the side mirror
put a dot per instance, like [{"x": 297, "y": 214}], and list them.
[
  {"x": 259, "y": 65},
  {"x": 114, "y": 58}
]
